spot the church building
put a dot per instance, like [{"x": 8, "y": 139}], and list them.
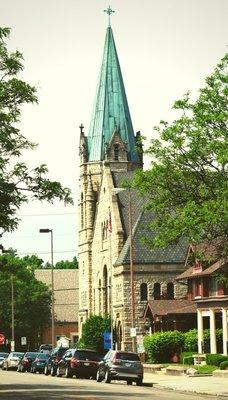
[{"x": 118, "y": 273}]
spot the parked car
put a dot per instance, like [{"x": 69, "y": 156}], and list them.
[
  {"x": 12, "y": 360},
  {"x": 2, "y": 358},
  {"x": 40, "y": 362},
  {"x": 79, "y": 362},
  {"x": 55, "y": 357},
  {"x": 45, "y": 348},
  {"x": 120, "y": 365},
  {"x": 26, "y": 361}
]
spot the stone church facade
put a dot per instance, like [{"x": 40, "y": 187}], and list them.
[{"x": 112, "y": 221}]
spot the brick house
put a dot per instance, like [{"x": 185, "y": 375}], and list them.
[
  {"x": 211, "y": 300},
  {"x": 65, "y": 303}
]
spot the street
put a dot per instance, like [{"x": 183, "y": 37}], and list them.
[{"x": 15, "y": 386}]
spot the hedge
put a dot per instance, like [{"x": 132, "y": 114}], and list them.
[
  {"x": 191, "y": 340},
  {"x": 186, "y": 357},
  {"x": 223, "y": 365},
  {"x": 161, "y": 346},
  {"x": 215, "y": 359}
]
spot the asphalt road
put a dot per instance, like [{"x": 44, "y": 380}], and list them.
[{"x": 26, "y": 386}]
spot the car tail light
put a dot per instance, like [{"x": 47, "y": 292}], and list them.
[
  {"x": 116, "y": 360},
  {"x": 74, "y": 362}
]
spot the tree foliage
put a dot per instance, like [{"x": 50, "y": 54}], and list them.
[
  {"x": 93, "y": 330},
  {"x": 187, "y": 182},
  {"x": 32, "y": 300},
  {"x": 16, "y": 181}
]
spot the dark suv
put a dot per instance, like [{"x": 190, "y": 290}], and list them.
[
  {"x": 26, "y": 361},
  {"x": 120, "y": 365},
  {"x": 79, "y": 362},
  {"x": 55, "y": 357}
]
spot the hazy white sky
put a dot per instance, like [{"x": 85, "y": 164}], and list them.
[{"x": 165, "y": 48}]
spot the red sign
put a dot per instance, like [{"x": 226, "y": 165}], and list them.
[{"x": 2, "y": 339}]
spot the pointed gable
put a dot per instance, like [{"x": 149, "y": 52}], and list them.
[{"x": 110, "y": 107}]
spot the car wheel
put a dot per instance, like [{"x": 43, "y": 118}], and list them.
[
  {"x": 68, "y": 373},
  {"x": 129, "y": 382},
  {"x": 46, "y": 372},
  {"x": 58, "y": 373},
  {"x": 107, "y": 377},
  {"x": 98, "y": 377},
  {"x": 139, "y": 382},
  {"x": 52, "y": 371}
]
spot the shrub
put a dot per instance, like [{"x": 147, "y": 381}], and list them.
[
  {"x": 215, "y": 359},
  {"x": 223, "y": 365},
  {"x": 186, "y": 357},
  {"x": 161, "y": 346}
]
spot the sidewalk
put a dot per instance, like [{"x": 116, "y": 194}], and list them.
[{"x": 198, "y": 384}]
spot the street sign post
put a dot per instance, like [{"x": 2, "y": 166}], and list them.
[{"x": 12, "y": 343}]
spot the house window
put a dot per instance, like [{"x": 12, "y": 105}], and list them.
[
  {"x": 116, "y": 152},
  {"x": 157, "y": 291},
  {"x": 170, "y": 290},
  {"x": 197, "y": 288},
  {"x": 143, "y": 292}
]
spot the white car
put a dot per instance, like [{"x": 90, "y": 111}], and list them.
[{"x": 12, "y": 360}]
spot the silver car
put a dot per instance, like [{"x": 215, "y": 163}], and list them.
[
  {"x": 121, "y": 365},
  {"x": 12, "y": 360}
]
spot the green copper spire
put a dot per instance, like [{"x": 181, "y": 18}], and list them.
[{"x": 111, "y": 109}]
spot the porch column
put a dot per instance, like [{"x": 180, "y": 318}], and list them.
[
  {"x": 213, "y": 347},
  {"x": 224, "y": 330},
  {"x": 200, "y": 331}
]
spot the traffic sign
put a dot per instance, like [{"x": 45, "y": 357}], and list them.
[
  {"x": 23, "y": 341},
  {"x": 107, "y": 336},
  {"x": 2, "y": 338}
]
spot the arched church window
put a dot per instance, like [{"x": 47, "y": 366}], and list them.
[
  {"x": 116, "y": 152},
  {"x": 157, "y": 291},
  {"x": 170, "y": 290},
  {"x": 82, "y": 210},
  {"x": 143, "y": 291},
  {"x": 105, "y": 290}
]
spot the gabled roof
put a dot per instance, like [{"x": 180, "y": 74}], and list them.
[
  {"x": 140, "y": 220},
  {"x": 165, "y": 307},
  {"x": 190, "y": 273},
  {"x": 110, "y": 107}
]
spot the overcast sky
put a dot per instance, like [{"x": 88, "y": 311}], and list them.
[{"x": 165, "y": 48}]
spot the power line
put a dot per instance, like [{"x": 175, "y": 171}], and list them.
[
  {"x": 46, "y": 252},
  {"x": 44, "y": 215}
]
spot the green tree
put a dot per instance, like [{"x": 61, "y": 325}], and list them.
[
  {"x": 32, "y": 300},
  {"x": 186, "y": 185},
  {"x": 93, "y": 330},
  {"x": 66, "y": 264},
  {"x": 16, "y": 181}
]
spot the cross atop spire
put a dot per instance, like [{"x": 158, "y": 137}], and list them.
[{"x": 109, "y": 11}]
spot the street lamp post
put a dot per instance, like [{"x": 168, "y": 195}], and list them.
[{"x": 52, "y": 288}]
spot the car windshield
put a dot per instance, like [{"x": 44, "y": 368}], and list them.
[
  {"x": 127, "y": 356},
  {"x": 62, "y": 350},
  {"x": 4, "y": 355},
  {"x": 30, "y": 355},
  {"x": 86, "y": 354},
  {"x": 43, "y": 356},
  {"x": 17, "y": 354}
]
